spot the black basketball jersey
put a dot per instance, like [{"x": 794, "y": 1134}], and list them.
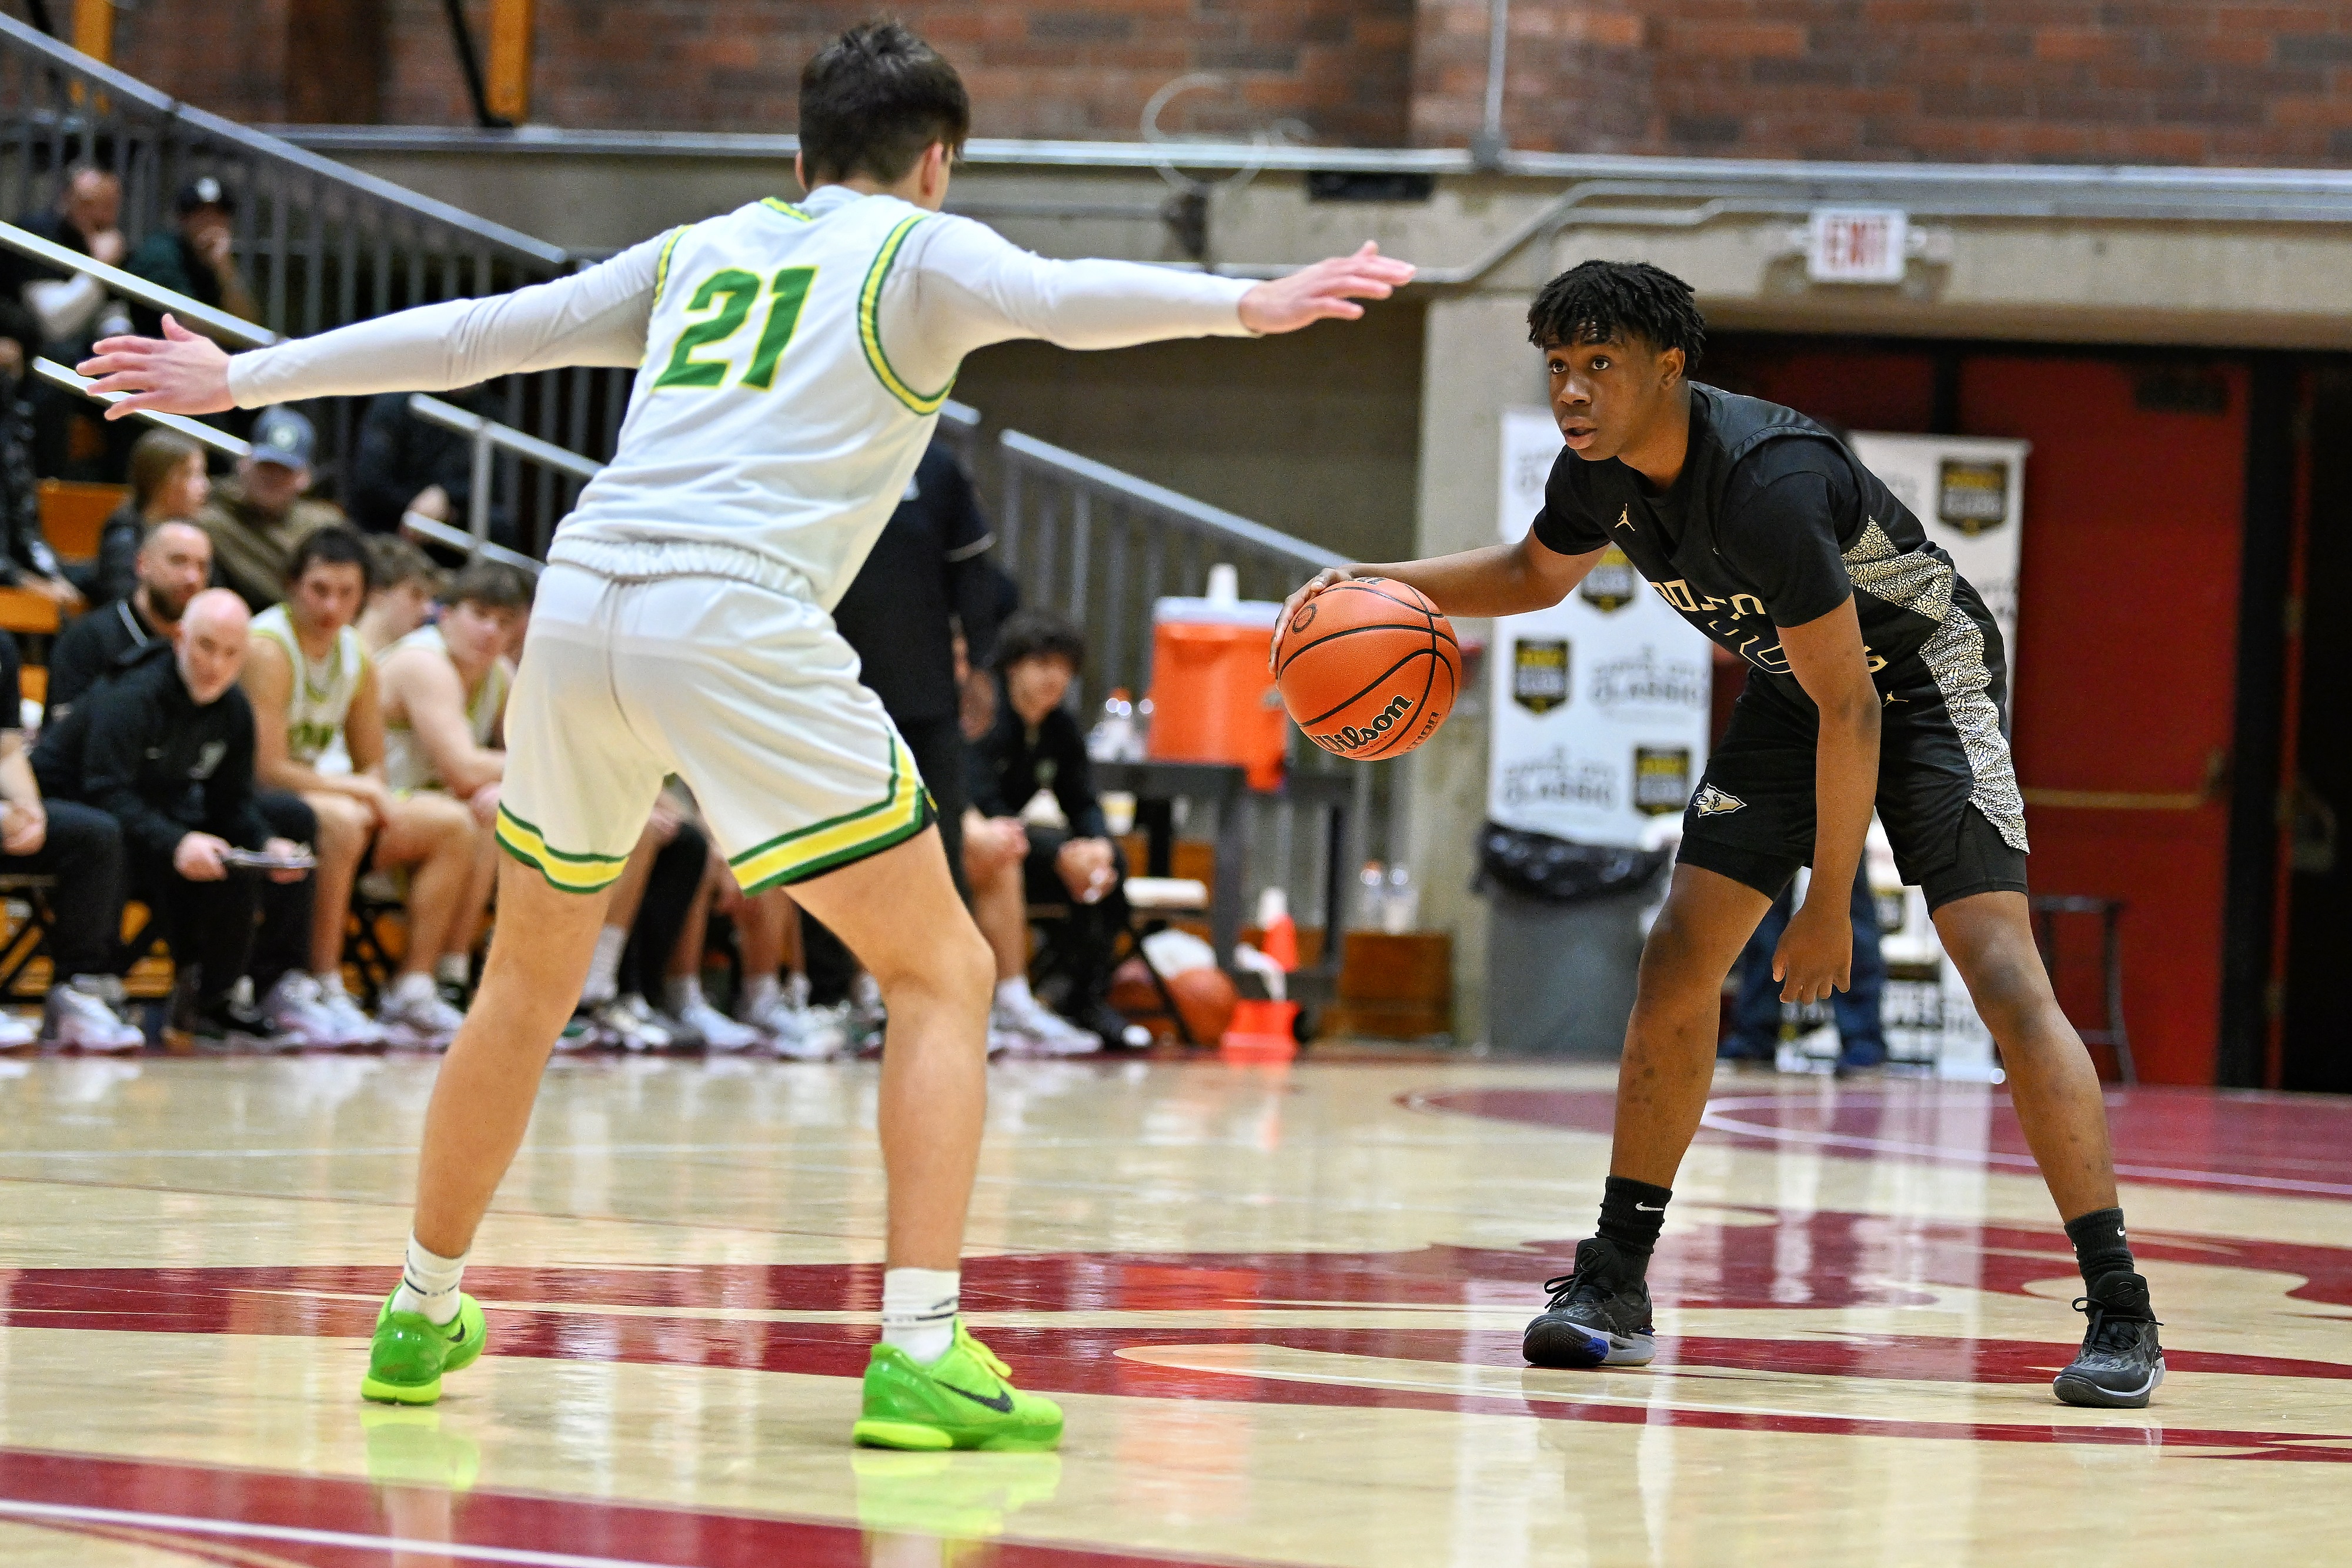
[{"x": 1773, "y": 523}]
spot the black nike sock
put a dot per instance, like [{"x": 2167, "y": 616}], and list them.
[
  {"x": 1631, "y": 1215},
  {"x": 2099, "y": 1245}
]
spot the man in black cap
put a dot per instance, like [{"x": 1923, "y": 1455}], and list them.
[
  {"x": 259, "y": 515},
  {"x": 193, "y": 258}
]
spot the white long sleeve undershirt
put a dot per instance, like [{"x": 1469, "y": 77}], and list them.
[{"x": 957, "y": 286}]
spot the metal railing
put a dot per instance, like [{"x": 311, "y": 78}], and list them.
[
  {"x": 1103, "y": 546},
  {"x": 487, "y": 436},
  {"x": 320, "y": 244}
]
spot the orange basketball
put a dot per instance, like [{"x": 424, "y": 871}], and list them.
[{"x": 1369, "y": 668}]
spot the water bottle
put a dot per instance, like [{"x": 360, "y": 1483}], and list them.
[
  {"x": 1374, "y": 898},
  {"x": 1401, "y": 910},
  {"x": 1112, "y": 739},
  {"x": 1139, "y": 737}
]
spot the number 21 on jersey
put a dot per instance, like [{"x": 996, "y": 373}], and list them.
[{"x": 727, "y": 296}]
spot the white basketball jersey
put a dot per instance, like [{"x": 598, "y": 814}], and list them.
[
  {"x": 766, "y": 419},
  {"x": 323, "y": 688},
  {"x": 405, "y": 764}
]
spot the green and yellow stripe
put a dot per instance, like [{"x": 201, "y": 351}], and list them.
[
  {"x": 564, "y": 873},
  {"x": 869, "y": 329},
  {"x": 661, "y": 267},
  {"x": 904, "y": 811}
]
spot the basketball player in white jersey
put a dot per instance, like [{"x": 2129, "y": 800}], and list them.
[
  {"x": 790, "y": 360},
  {"x": 444, "y": 689}
]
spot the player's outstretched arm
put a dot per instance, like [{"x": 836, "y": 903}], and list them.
[
  {"x": 1498, "y": 580},
  {"x": 593, "y": 318},
  {"x": 180, "y": 373},
  {"x": 1326, "y": 291}
]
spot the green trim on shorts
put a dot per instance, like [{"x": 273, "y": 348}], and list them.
[
  {"x": 579, "y": 872},
  {"x": 926, "y": 814}
]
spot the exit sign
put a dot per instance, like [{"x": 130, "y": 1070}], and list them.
[{"x": 1857, "y": 244}]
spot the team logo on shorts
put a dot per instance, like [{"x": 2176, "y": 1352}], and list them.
[{"x": 1711, "y": 801}]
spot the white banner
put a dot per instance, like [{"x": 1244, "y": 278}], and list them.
[
  {"x": 1968, "y": 492},
  {"x": 1601, "y": 703}
]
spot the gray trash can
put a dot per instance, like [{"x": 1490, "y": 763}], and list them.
[
  {"x": 1560, "y": 977},
  {"x": 1564, "y": 944}
]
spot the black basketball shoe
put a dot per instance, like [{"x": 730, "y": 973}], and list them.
[
  {"x": 2120, "y": 1363},
  {"x": 1598, "y": 1314}
]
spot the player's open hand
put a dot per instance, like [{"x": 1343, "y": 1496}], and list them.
[
  {"x": 1307, "y": 590},
  {"x": 1816, "y": 953},
  {"x": 1325, "y": 291},
  {"x": 179, "y": 372}
]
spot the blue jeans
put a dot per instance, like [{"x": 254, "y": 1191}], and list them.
[{"x": 1756, "y": 1014}]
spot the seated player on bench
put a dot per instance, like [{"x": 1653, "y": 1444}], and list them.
[
  {"x": 313, "y": 685},
  {"x": 445, "y": 697},
  {"x": 1035, "y": 745}
]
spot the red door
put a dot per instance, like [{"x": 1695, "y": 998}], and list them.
[{"x": 2125, "y": 665}]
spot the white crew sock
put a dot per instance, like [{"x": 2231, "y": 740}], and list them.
[
  {"x": 412, "y": 988},
  {"x": 1014, "y": 993},
  {"x": 604, "y": 981},
  {"x": 919, "y": 1310},
  {"x": 680, "y": 993},
  {"x": 761, "y": 992},
  {"x": 796, "y": 991},
  {"x": 452, "y": 969},
  {"x": 330, "y": 983},
  {"x": 428, "y": 1283}
]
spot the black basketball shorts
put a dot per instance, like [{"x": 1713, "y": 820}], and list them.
[{"x": 1752, "y": 818}]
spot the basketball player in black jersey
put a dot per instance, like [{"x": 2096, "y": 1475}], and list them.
[{"x": 1875, "y": 679}]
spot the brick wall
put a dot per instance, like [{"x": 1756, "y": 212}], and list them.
[
  {"x": 1337, "y": 70},
  {"x": 2035, "y": 80},
  {"x": 2156, "y": 81}
]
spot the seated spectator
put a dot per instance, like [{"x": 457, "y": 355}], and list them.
[
  {"x": 26, "y": 559},
  {"x": 193, "y": 258},
  {"x": 313, "y": 685},
  {"x": 168, "y": 484},
  {"x": 72, "y": 309},
  {"x": 445, "y": 697},
  {"x": 403, "y": 583},
  {"x": 1036, "y": 744},
  {"x": 403, "y": 463},
  {"x": 173, "y": 566},
  {"x": 82, "y": 848},
  {"x": 167, "y": 751},
  {"x": 260, "y": 515}
]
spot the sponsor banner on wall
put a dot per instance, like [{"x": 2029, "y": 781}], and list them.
[
  {"x": 1968, "y": 492},
  {"x": 1601, "y": 703}
]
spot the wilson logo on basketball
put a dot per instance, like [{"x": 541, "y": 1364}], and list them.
[{"x": 1347, "y": 738}]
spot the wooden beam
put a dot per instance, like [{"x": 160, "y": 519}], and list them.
[
  {"x": 93, "y": 29},
  {"x": 509, "y": 83}
]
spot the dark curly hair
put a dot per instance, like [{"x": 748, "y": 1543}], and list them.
[
  {"x": 1040, "y": 635},
  {"x": 1613, "y": 301}
]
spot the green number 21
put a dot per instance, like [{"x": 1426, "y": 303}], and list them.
[{"x": 728, "y": 296}]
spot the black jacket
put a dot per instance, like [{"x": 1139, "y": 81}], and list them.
[
  {"x": 90, "y": 648},
  {"x": 398, "y": 454},
  {"x": 927, "y": 572},
  {"x": 162, "y": 767},
  {"x": 1012, "y": 762}
]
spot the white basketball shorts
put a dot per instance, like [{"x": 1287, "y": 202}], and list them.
[{"x": 747, "y": 695}]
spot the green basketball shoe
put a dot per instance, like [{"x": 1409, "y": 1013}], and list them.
[
  {"x": 411, "y": 1352},
  {"x": 960, "y": 1401}
]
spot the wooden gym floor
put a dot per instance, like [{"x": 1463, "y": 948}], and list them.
[{"x": 1282, "y": 1309}]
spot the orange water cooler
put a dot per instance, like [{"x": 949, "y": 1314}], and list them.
[{"x": 1213, "y": 699}]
